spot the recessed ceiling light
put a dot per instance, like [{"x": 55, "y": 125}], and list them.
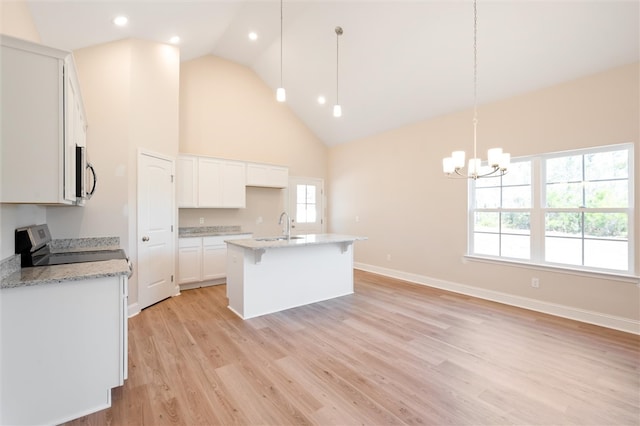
[
  {"x": 253, "y": 36},
  {"x": 322, "y": 100},
  {"x": 174, "y": 40},
  {"x": 120, "y": 21}
]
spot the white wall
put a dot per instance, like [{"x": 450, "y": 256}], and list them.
[{"x": 410, "y": 211}]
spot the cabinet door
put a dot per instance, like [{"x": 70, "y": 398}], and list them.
[
  {"x": 187, "y": 181},
  {"x": 234, "y": 184},
  {"x": 75, "y": 130},
  {"x": 266, "y": 175},
  {"x": 210, "y": 182},
  {"x": 214, "y": 262},
  {"x": 189, "y": 260},
  {"x": 32, "y": 130}
]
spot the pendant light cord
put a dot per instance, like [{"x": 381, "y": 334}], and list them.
[
  {"x": 338, "y": 32},
  {"x": 281, "y": 43},
  {"x": 475, "y": 78}
]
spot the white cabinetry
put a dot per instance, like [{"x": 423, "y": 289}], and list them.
[
  {"x": 267, "y": 175},
  {"x": 42, "y": 122},
  {"x": 64, "y": 347},
  {"x": 210, "y": 182},
  {"x": 189, "y": 260},
  {"x": 202, "y": 259}
]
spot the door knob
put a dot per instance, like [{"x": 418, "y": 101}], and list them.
[{"x": 145, "y": 238}]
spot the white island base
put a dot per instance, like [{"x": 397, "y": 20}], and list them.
[{"x": 265, "y": 277}]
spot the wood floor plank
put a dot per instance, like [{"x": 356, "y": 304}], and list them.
[{"x": 391, "y": 353}]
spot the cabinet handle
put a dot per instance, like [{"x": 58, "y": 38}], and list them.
[{"x": 145, "y": 238}]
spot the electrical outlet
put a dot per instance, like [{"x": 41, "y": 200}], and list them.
[
  {"x": 535, "y": 282},
  {"x": 201, "y": 220},
  {"x": 389, "y": 257},
  {"x": 357, "y": 219}
]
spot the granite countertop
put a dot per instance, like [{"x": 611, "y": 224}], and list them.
[
  {"x": 209, "y": 231},
  {"x": 294, "y": 241},
  {"x": 12, "y": 275},
  {"x": 70, "y": 272}
]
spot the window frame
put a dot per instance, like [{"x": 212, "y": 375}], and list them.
[{"x": 538, "y": 210}]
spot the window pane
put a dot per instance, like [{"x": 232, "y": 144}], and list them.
[
  {"x": 487, "y": 198},
  {"x": 301, "y": 193},
  {"x": 564, "y": 169},
  {"x": 563, "y": 224},
  {"x": 607, "y": 165},
  {"x": 516, "y": 246},
  {"x": 606, "y": 225},
  {"x": 563, "y": 250},
  {"x": 487, "y": 222},
  {"x": 516, "y": 223},
  {"x": 560, "y": 195},
  {"x": 311, "y": 194},
  {"x": 607, "y": 194},
  {"x": 516, "y": 197},
  {"x": 486, "y": 244},
  {"x": 519, "y": 173},
  {"x": 606, "y": 254}
]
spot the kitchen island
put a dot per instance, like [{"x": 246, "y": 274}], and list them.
[{"x": 266, "y": 275}]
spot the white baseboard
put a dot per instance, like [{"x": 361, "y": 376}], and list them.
[
  {"x": 590, "y": 317},
  {"x": 134, "y": 309}
]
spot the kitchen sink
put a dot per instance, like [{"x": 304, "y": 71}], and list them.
[{"x": 280, "y": 238}]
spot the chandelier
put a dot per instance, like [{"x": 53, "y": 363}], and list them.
[{"x": 497, "y": 161}]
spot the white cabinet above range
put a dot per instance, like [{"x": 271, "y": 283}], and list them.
[{"x": 43, "y": 122}]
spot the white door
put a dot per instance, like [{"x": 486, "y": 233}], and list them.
[
  {"x": 306, "y": 205},
  {"x": 156, "y": 255}
]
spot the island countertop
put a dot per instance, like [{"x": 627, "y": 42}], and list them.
[{"x": 293, "y": 241}]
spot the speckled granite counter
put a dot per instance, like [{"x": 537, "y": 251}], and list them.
[
  {"x": 209, "y": 231},
  {"x": 71, "y": 272},
  {"x": 12, "y": 275},
  {"x": 294, "y": 241}
]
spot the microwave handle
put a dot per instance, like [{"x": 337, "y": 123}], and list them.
[{"x": 95, "y": 180}]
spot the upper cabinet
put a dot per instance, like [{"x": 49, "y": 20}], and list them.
[
  {"x": 267, "y": 175},
  {"x": 210, "y": 182},
  {"x": 43, "y": 121}
]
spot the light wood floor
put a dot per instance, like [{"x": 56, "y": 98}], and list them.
[{"x": 392, "y": 353}]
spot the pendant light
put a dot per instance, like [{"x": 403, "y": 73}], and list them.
[
  {"x": 281, "y": 96},
  {"x": 497, "y": 160},
  {"x": 337, "y": 109}
]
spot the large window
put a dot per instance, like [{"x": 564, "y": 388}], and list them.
[{"x": 572, "y": 209}]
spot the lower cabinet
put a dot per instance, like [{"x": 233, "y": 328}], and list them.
[
  {"x": 64, "y": 347},
  {"x": 203, "y": 260}
]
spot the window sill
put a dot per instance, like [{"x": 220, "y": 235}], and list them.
[{"x": 563, "y": 270}]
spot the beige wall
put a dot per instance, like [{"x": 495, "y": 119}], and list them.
[
  {"x": 227, "y": 111},
  {"x": 394, "y": 183},
  {"x": 130, "y": 91},
  {"x": 16, "y": 21}
]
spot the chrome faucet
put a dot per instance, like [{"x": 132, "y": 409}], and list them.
[{"x": 287, "y": 232}]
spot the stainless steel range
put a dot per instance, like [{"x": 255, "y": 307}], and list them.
[{"x": 32, "y": 243}]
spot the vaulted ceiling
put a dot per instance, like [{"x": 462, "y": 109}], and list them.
[{"x": 400, "y": 61}]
